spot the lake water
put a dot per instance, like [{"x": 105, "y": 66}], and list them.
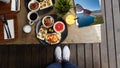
[{"x": 85, "y": 20}]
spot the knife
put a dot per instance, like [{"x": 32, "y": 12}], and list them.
[
  {"x": 6, "y": 31},
  {"x": 4, "y": 19},
  {"x": 16, "y": 5}
]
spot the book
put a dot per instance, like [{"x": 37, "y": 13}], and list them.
[{"x": 88, "y": 12}]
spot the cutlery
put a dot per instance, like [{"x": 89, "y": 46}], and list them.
[
  {"x": 4, "y": 19},
  {"x": 6, "y": 31},
  {"x": 16, "y": 6},
  {"x": 5, "y": 28}
]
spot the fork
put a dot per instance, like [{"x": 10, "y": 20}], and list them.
[{"x": 4, "y": 20}]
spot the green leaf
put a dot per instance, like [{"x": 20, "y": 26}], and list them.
[
  {"x": 63, "y": 6},
  {"x": 67, "y": 1}
]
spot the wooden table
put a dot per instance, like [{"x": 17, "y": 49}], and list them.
[
  {"x": 73, "y": 37},
  {"x": 96, "y": 55}
]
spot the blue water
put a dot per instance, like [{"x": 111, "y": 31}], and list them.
[{"x": 85, "y": 20}]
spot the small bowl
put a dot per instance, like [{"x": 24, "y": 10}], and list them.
[
  {"x": 27, "y": 28},
  {"x": 48, "y": 21},
  {"x": 60, "y": 27},
  {"x": 32, "y": 5}
]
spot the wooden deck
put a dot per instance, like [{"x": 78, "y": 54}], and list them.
[{"x": 93, "y": 55}]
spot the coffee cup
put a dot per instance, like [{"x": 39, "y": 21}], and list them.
[
  {"x": 34, "y": 5},
  {"x": 32, "y": 17}
]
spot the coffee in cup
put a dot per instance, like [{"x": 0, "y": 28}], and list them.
[
  {"x": 34, "y": 5},
  {"x": 32, "y": 17}
]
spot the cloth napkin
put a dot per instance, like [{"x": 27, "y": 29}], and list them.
[
  {"x": 14, "y": 4},
  {"x": 11, "y": 27}
]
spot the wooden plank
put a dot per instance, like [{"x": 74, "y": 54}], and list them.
[
  {"x": 103, "y": 49},
  {"x": 43, "y": 56},
  {"x": 96, "y": 56},
  {"x": 20, "y": 56},
  {"x": 116, "y": 12},
  {"x": 4, "y": 54},
  {"x": 12, "y": 57},
  {"x": 103, "y": 46},
  {"x": 27, "y": 56},
  {"x": 88, "y": 56},
  {"x": 0, "y": 56},
  {"x": 35, "y": 56},
  {"x": 50, "y": 54},
  {"x": 73, "y": 56},
  {"x": 110, "y": 34},
  {"x": 81, "y": 55}
]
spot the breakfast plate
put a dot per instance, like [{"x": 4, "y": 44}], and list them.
[
  {"x": 54, "y": 34},
  {"x": 45, "y": 5}
]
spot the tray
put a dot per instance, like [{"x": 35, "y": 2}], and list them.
[
  {"x": 44, "y": 11},
  {"x": 7, "y": 8},
  {"x": 63, "y": 34},
  {"x": 9, "y": 16}
]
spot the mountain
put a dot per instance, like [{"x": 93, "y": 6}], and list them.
[{"x": 96, "y": 11}]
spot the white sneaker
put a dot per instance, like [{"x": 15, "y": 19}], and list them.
[
  {"x": 58, "y": 53},
  {"x": 66, "y": 53}
]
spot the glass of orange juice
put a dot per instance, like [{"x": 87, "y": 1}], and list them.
[{"x": 70, "y": 19}]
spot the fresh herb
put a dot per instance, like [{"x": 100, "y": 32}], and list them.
[{"x": 62, "y": 6}]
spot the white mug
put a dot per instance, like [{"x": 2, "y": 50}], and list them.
[
  {"x": 5, "y": 1},
  {"x": 32, "y": 17},
  {"x": 31, "y": 2}
]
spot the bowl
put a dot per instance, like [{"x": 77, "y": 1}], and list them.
[
  {"x": 34, "y": 5},
  {"x": 59, "y": 27},
  {"x": 48, "y": 21},
  {"x": 27, "y": 28}
]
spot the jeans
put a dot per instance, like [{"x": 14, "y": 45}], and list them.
[{"x": 66, "y": 64}]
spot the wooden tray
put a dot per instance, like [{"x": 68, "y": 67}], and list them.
[
  {"x": 6, "y": 8},
  {"x": 9, "y": 16}
]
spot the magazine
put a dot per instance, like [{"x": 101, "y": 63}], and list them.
[{"x": 88, "y": 12}]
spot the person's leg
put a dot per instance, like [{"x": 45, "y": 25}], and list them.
[
  {"x": 58, "y": 57},
  {"x": 68, "y": 64},
  {"x": 55, "y": 65},
  {"x": 66, "y": 57}
]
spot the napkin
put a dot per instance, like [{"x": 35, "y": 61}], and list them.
[
  {"x": 14, "y": 4},
  {"x": 11, "y": 27}
]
